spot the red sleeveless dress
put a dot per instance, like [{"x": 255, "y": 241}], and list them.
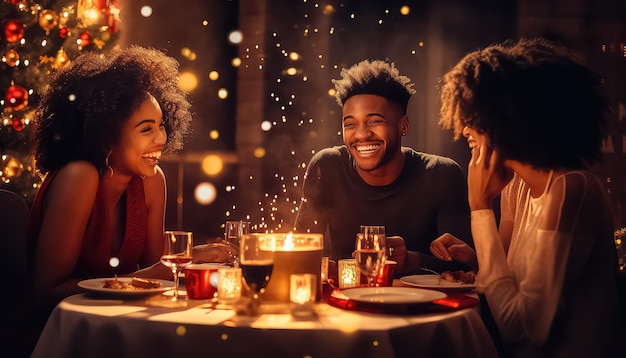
[{"x": 97, "y": 252}]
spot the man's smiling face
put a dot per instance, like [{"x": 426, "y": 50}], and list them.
[{"x": 372, "y": 128}]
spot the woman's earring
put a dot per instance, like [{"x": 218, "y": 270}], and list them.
[
  {"x": 403, "y": 133},
  {"x": 107, "y": 170}
]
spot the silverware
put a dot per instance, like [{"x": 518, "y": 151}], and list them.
[{"x": 429, "y": 270}]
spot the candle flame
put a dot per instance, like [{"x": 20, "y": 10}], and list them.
[{"x": 289, "y": 242}]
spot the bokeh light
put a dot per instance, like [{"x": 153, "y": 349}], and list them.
[
  {"x": 214, "y": 75},
  {"x": 235, "y": 37},
  {"x": 187, "y": 81},
  {"x": 214, "y": 134},
  {"x": 205, "y": 193},
  {"x": 405, "y": 10},
  {"x": 266, "y": 126},
  {"x": 235, "y": 62},
  {"x": 259, "y": 152},
  {"x": 146, "y": 11},
  {"x": 212, "y": 164},
  {"x": 188, "y": 53},
  {"x": 222, "y": 93}
]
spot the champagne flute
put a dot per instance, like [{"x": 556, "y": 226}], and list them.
[
  {"x": 257, "y": 264},
  {"x": 370, "y": 254},
  {"x": 233, "y": 231},
  {"x": 177, "y": 254}
]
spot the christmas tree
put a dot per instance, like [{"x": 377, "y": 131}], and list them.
[{"x": 38, "y": 38}]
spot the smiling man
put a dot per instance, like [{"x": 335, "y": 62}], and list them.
[{"x": 373, "y": 180}]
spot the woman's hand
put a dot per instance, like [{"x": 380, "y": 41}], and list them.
[
  {"x": 486, "y": 176},
  {"x": 447, "y": 247}
]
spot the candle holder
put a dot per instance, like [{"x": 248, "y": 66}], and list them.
[
  {"x": 229, "y": 284},
  {"x": 295, "y": 253},
  {"x": 302, "y": 293},
  {"x": 348, "y": 274}
]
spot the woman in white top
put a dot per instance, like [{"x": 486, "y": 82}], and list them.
[{"x": 535, "y": 120}]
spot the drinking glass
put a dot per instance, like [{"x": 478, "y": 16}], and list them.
[
  {"x": 370, "y": 254},
  {"x": 233, "y": 231},
  {"x": 177, "y": 254},
  {"x": 257, "y": 264}
]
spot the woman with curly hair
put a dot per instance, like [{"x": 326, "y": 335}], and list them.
[
  {"x": 535, "y": 120},
  {"x": 101, "y": 128}
]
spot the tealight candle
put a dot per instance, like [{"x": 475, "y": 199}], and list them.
[
  {"x": 302, "y": 293},
  {"x": 229, "y": 284},
  {"x": 348, "y": 273}
]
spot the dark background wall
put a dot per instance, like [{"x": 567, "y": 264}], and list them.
[{"x": 305, "y": 118}]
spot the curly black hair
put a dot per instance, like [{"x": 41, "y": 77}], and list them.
[
  {"x": 374, "y": 77},
  {"x": 79, "y": 116},
  {"x": 532, "y": 99}
]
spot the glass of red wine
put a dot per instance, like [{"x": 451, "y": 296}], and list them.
[
  {"x": 257, "y": 263},
  {"x": 176, "y": 255}
]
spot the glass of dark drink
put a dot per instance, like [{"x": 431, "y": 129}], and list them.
[
  {"x": 257, "y": 263},
  {"x": 176, "y": 255}
]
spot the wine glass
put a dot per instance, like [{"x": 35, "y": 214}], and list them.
[
  {"x": 177, "y": 254},
  {"x": 257, "y": 263},
  {"x": 233, "y": 231},
  {"x": 370, "y": 254}
]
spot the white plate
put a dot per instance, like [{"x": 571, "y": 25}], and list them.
[
  {"x": 96, "y": 285},
  {"x": 392, "y": 295},
  {"x": 434, "y": 282}
]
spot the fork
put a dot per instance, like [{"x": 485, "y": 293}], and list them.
[{"x": 429, "y": 270}]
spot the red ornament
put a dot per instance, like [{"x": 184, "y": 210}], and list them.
[
  {"x": 13, "y": 30},
  {"x": 64, "y": 32},
  {"x": 16, "y": 97},
  {"x": 101, "y": 4},
  {"x": 85, "y": 39},
  {"x": 18, "y": 124}
]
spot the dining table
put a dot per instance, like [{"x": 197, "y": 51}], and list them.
[{"x": 88, "y": 325}]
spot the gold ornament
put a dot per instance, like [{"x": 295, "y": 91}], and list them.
[
  {"x": 11, "y": 58},
  {"x": 45, "y": 59},
  {"x": 68, "y": 13},
  {"x": 61, "y": 60},
  {"x": 88, "y": 13},
  {"x": 10, "y": 167},
  {"x": 48, "y": 20}
]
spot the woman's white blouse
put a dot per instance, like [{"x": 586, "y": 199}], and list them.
[{"x": 561, "y": 261}]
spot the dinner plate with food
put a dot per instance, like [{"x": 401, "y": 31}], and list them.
[
  {"x": 447, "y": 280},
  {"x": 126, "y": 286}
]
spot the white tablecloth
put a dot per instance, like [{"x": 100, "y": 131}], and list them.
[{"x": 83, "y": 326}]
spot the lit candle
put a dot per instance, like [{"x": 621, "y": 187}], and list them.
[
  {"x": 295, "y": 253},
  {"x": 229, "y": 284},
  {"x": 302, "y": 293},
  {"x": 348, "y": 273}
]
